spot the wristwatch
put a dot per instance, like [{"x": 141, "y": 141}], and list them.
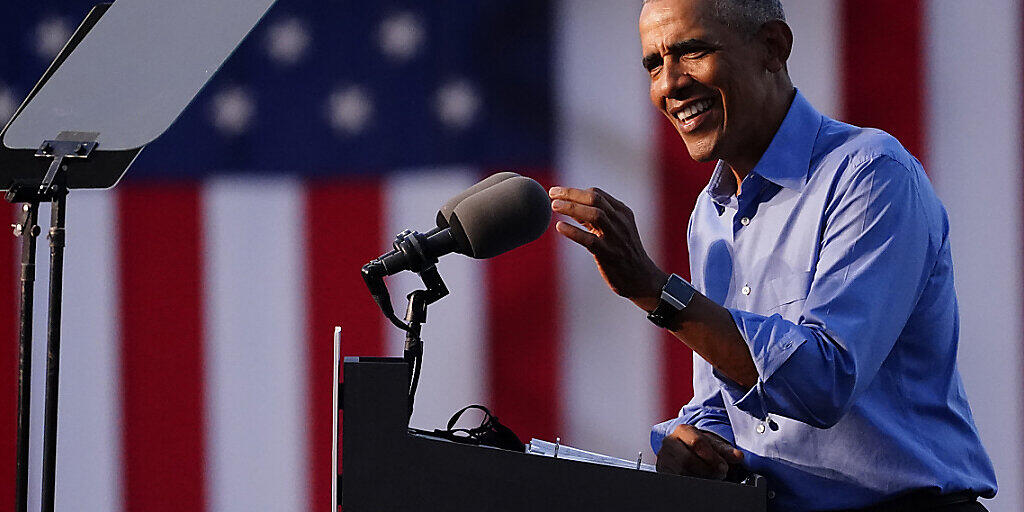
[{"x": 675, "y": 296}]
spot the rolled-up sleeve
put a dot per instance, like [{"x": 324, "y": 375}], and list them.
[
  {"x": 705, "y": 411},
  {"x": 877, "y": 251}
]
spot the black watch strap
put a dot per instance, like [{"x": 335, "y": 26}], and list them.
[{"x": 675, "y": 296}]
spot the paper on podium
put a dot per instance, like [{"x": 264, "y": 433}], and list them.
[{"x": 561, "y": 451}]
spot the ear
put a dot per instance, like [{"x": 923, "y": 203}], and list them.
[{"x": 777, "y": 39}]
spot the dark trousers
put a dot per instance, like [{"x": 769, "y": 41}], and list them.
[
  {"x": 972, "y": 506},
  {"x": 928, "y": 502}
]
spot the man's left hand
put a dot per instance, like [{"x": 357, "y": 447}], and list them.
[{"x": 611, "y": 235}]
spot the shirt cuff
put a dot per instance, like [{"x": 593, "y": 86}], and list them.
[
  {"x": 746, "y": 400},
  {"x": 662, "y": 430},
  {"x": 723, "y": 430}
]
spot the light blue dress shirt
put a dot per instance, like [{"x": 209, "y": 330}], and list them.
[{"x": 834, "y": 261}]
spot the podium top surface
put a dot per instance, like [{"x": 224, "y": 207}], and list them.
[{"x": 136, "y": 71}]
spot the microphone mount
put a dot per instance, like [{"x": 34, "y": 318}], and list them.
[{"x": 411, "y": 245}]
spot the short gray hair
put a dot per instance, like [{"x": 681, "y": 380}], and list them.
[{"x": 746, "y": 16}]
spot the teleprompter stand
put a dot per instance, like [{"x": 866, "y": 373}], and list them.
[
  {"x": 122, "y": 78},
  {"x": 22, "y": 169},
  {"x": 52, "y": 189}
]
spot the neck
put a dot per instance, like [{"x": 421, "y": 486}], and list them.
[{"x": 774, "y": 113}]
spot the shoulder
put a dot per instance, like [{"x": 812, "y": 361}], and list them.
[
  {"x": 853, "y": 147},
  {"x": 850, "y": 157},
  {"x": 869, "y": 167}
]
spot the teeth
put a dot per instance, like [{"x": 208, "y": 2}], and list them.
[{"x": 694, "y": 110}]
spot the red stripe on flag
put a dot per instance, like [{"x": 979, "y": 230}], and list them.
[
  {"x": 882, "y": 68},
  {"x": 162, "y": 346},
  {"x": 680, "y": 181},
  {"x": 523, "y": 333},
  {"x": 344, "y": 231},
  {"x": 9, "y": 287}
]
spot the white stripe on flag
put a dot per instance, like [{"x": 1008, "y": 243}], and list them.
[
  {"x": 255, "y": 347},
  {"x": 814, "y": 64},
  {"x": 606, "y": 138},
  {"x": 974, "y": 158},
  {"x": 454, "y": 344},
  {"x": 89, "y": 424}
]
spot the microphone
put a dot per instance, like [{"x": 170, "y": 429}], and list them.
[
  {"x": 446, "y": 210},
  {"x": 498, "y": 214},
  {"x": 501, "y": 217}
]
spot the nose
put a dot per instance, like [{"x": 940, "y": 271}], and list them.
[{"x": 673, "y": 80}]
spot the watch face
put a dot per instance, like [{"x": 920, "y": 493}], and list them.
[
  {"x": 677, "y": 291},
  {"x": 674, "y": 298}
]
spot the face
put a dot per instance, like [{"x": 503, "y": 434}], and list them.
[{"x": 709, "y": 80}]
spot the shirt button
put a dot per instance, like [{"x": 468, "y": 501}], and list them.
[
  {"x": 745, "y": 221},
  {"x": 745, "y": 290},
  {"x": 771, "y": 495},
  {"x": 760, "y": 428}
]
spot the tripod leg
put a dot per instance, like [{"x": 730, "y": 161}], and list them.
[
  {"x": 56, "y": 236},
  {"x": 28, "y": 231}
]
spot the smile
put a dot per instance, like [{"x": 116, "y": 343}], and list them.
[{"x": 694, "y": 110}]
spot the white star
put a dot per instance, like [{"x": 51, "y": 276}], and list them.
[
  {"x": 349, "y": 109},
  {"x": 51, "y": 35},
  {"x": 457, "y": 104},
  {"x": 7, "y": 105},
  {"x": 401, "y": 36},
  {"x": 232, "y": 110},
  {"x": 287, "y": 41}
]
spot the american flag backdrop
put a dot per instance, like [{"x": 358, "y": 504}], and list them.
[{"x": 201, "y": 292}]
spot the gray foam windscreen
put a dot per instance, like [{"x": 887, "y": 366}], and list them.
[
  {"x": 445, "y": 213},
  {"x": 499, "y": 218}
]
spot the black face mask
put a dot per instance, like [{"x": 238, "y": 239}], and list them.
[{"x": 490, "y": 432}]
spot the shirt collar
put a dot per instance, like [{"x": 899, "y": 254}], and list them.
[{"x": 787, "y": 160}]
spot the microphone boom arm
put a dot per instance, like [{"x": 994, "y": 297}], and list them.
[
  {"x": 410, "y": 247},
  {"x": 373, "y": 276},
  {"x": 411, "y": 244}
]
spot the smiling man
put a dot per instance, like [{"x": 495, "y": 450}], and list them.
[{"x": 822, "y": 313}]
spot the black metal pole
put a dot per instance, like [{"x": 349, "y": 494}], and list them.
[
  {"x": 57, "y": 212},
  {"x": 28, "y": 230}
]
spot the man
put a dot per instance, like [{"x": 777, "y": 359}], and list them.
[{"x": 824, "y": 321}]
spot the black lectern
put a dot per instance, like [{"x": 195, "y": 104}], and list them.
[{"x": 388, "y": 467}]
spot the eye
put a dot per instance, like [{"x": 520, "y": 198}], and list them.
[
  {"x": 699, "y": 54},
  {"x": 651, "y": 64}
]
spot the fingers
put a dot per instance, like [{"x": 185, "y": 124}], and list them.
[
  {"x": 702, "y": 448},
  {"x": 581, "y": 213},
  {"x": 677, "y": 458},
  {"x": 691, "y": 451},
  {"x": 589, "y": 197},
  {"x": 585, "y": 206},
  {"x": 584, "y": 238},
  {"x": 723, "y": 448},
  {"x": 730, "y": 454},
  {"x": 668, "y": 462},
  {"x": 615, "y": 203}
]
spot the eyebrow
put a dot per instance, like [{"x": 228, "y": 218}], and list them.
[{"x": 680, "y": 48}]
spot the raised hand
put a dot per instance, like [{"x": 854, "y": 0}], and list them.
[{"x": 611, "y": 235}]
